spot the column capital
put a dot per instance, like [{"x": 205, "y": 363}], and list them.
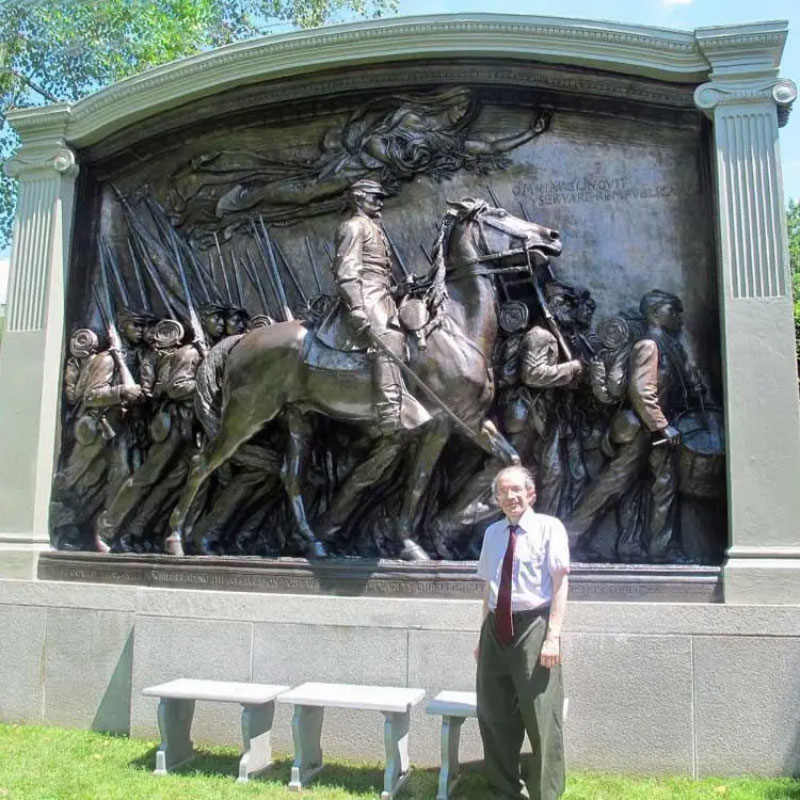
[
  {"x": 781, "y": 91},
  {"x": 37, "y": 158}
]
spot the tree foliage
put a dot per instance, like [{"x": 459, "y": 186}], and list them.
[{"x": 54, "y": 51}]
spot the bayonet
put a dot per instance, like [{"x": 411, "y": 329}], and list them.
[
  {"x": 120, "y": 284},
  {"x": 329, "y": 251},
  {"x": 238, "y": 282},
  {"x": 277, "y": 284},
  {"x": 428, "y": 256},
  {"x": 290, "y": 272},
  {"x": 314, "y": 269},
  {"x": 255, "y": 279},
  {"x": 222, "y": 270},
  {"x": 397, "y": 255},
  {"x": 137, "y": 271},
  {"x": 198, "y": 336},
  {"x": 114, "y": 339}
]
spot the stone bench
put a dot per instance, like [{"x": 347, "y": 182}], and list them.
[
  {"x": 454, "y": 708},
  {"x": 176, "y": 709},
  {"x": 310, "y": 700}
]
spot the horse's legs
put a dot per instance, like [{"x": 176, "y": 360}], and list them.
[
  {"x": 362, "y": 477},
  {"x": 429, "y": 449},
  {"x": 236, "y": 429},
  {"x": 292, "y": 475}
]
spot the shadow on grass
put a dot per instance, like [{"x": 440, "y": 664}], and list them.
[
  {"x": 790, "y": 792},
  {"x": 355, "y": 779}
]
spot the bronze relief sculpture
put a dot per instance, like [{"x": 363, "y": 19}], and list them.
[{"x": 363, "y": 413}]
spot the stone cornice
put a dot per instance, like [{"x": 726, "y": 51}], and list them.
[{"x": 674, "y": 56}]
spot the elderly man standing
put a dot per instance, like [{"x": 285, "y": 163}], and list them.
[{"x": 525, "y": 563}]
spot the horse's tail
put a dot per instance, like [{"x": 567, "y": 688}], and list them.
[{"x": 208, "y": 388}]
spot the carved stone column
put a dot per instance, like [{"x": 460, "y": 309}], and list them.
[
  {"x": 747, "y": 104},
  {"x": 32, "y": 350}
]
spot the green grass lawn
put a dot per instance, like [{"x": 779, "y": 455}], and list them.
[{"x": 55, "y": 764}]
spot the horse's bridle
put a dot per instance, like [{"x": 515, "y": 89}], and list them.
[{"x": 467, "y": 268}]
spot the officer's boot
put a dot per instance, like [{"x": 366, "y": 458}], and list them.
[{"x": 387, "y": 381}]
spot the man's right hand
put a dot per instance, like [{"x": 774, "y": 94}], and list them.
[
  {"x": 671, "y": 435},
  {"x": 577, "y": 368},
  {"x": 131, "y": 394}
]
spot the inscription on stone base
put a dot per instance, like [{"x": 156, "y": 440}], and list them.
[{"x": 384, "y": 578}]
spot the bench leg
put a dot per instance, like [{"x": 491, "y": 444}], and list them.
[
  {"x": 449, "y": 772},
  {"x": 306, "y": 732},
  {"x": 175, "y": 726},
  {"x": 257, "y": 737},
  {"x": 395, "y": 738}
]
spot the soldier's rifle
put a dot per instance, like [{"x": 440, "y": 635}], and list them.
[
  {"x": 146, "y": 243},
  {"x": 252, "y": 273},
  {"x": 407, "y": 276},
  {"x": 295, "y": 280},
  {"x": 314, "y": 269},
  {"x": 107, "y": 318},
  {"x": 548, "y": 314},
  {"x": 268, "y": 256},
  {"x": 120, "y": 284},
  {"x": 198, "y": 335},
  {"x": 222, "y": 270},
  {"x": 237, "y": 281},
  {"x": 137, "y": 271},
  {"x": 254, "y": 276},
  {"x": 162, "y": 291}
]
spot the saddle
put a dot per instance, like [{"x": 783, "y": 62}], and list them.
[{"x": 318, "y": 355}]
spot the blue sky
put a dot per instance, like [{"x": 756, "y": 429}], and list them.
[{"x": 680, "y": 14}]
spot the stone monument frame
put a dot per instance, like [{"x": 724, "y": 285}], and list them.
[{"x": 734, "y": 70}]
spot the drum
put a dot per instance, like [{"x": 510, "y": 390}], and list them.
[{"x": 701, "y": 455}]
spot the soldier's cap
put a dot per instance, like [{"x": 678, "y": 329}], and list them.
[
  {"x": 237, "y": 311},
  {"x": 368, "y": 186},
  {"x": 207, "y": 309},
  {"x": 129, "y": 315},
  {"x": 657, "y": 297},
  {"x": 558, "y": 289}
]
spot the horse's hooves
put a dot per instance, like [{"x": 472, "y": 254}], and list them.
[
  {"x": 317, "y": 550},
  {"x": 173, "y": 546},
  {"x": 413, "y": 552}
]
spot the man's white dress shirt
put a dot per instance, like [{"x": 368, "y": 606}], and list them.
[{"x": 542, "y": 548}]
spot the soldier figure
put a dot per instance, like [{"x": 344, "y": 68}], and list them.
[
  {"x": 534, "y": 412},
  {"x": 213, "y": 319},
  {"x": 171, "y": 431},
  {"x": 363, "y": 276},
  {"x": 661, "y": 383},
  {"x": 79, "y": 487}
]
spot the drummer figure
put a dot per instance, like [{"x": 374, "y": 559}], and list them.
[{"x": 661, "y": 385}]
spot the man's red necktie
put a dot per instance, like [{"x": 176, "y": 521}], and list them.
[{"x": 502, "y": 613}]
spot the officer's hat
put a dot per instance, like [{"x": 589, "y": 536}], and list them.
[{"x": 368, "y": 186}]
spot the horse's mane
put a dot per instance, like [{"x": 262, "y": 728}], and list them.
[{"x": 457, "y": 212}]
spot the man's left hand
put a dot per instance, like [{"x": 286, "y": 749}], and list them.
[{"x": 551, "y": 653}]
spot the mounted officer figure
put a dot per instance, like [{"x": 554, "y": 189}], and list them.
[{"x": 367, "y": 309}]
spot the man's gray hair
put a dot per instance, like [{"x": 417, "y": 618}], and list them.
[{"x": 523, "y": 472}]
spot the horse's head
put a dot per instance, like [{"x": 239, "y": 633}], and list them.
[{"x": 475, "y": 233}]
